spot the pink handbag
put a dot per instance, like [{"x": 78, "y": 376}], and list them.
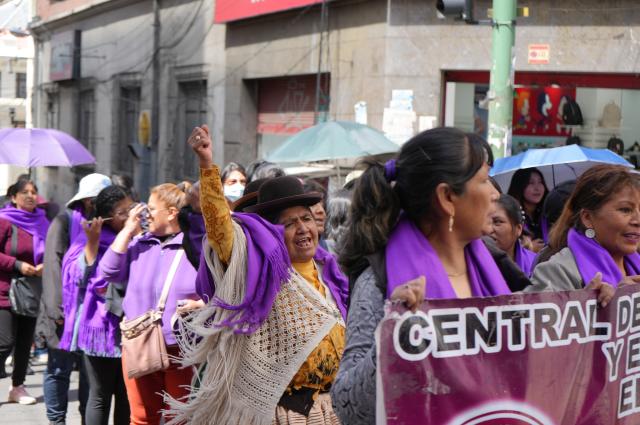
[{"x": 143, "y": 343}]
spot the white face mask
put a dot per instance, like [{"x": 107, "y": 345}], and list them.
[{"x": 234, "y": 191}]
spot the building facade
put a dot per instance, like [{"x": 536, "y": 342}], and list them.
[
  {"x": 95, "y": 80},
  {"x": 257, "y": 72},
  {"x": 16, "y": 76}
]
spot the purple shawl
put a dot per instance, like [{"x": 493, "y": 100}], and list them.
[
  {"x": 268, "y": 265},
  {"x": 592, "y": 258},
  {"x": 524, "y": 258},
  {"x": 34, "y": 223},
  {"x": 409, "y": 255},
  {"x": 75, "y": 222},
  {"x": 72, "y": 275},
  {"x": 99, "y": 331}
]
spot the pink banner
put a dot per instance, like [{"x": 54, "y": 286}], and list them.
[
  {"x": 553, "y": 358},
  {"x": 233, "y": 10}
]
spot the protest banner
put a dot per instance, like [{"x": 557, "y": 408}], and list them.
[{"x": 551, "y": 358}]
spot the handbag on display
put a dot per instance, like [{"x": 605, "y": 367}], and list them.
[
  {"x": 143, "y": 343},
  {"x": 25, "y": 291}
]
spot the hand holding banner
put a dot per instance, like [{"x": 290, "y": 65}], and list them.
[{"x": 552, "y": 358}]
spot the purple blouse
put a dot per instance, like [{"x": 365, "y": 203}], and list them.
[{"x": 144, "y": 268}]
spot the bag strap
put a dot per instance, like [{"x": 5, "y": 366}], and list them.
[
  {"x": 14, "y": 240},
  {"x": 169, "y": 280}
]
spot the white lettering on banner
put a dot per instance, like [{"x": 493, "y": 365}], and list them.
[
  {"x": 454, "y": 332},
  {"x": 468, "y": 331}
]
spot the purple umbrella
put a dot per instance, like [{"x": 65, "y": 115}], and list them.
[{"x": 39, "y": 147}]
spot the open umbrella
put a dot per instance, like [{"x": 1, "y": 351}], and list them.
[
  {"x": 557, "y": 165},
  {"x": 332, "y": 140},
  {"x": 38, "y": 147}
]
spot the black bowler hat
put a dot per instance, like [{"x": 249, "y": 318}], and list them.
[
  {"x": 249, "y": 196},
  {"x": 280, "y": 193}
]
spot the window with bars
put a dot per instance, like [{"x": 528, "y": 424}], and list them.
[
  {"x": 53, "y": 110},
  {"x": 21, "y": 85},
  {"x": 127, "y": 128},
  {"x": 193, "y": 112},
  {"x": 86, "y": 124}
]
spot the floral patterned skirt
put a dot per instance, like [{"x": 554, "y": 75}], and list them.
[{"x": 321, "y": 414}]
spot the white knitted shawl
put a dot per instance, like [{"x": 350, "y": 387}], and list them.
[{"x": 246, "y": 375}]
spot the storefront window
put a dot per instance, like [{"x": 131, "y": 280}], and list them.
[{"x": 553, "y": 109}]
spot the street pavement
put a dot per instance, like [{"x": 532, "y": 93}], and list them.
[{"x": 15, "y": 414}]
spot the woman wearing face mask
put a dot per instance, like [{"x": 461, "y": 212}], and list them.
[
  {"x": 28, "y": 225},
  {"x": 506, "y": 229},
  {"x": 234, "y": 179},
  {"x": 143, "y": 264},
  {"x": 530, "y": 190},
  {"x": 96, "y": 332}
]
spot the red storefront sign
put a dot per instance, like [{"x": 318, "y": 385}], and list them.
[{"x": 232, "y": 10}]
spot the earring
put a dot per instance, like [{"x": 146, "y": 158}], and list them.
[
  {"x": 451, "y": 223},
  {"x": 590, "y": 233}
]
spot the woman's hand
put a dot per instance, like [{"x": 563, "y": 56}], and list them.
[
  {"x": 92, "y": 229},
  {"x": 132, "y": 225},
  {"x": 410, "y": 293},
  {"x": 629, "y": 280},
  {"x": 39, "y": 269},
  {"x": 200, "y": 142},
  {"x": 27, "y": 269},
  {"x": 187, "y": 306},
  {"x": 605, "y": 291}
]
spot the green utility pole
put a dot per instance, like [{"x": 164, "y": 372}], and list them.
[{"x": 502, "y": 77}]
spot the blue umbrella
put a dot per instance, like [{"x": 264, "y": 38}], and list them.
[
  {"x": 556, "y": 164},
  {"x": 332, "y": 140}
]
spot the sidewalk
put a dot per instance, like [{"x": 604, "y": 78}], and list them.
[{"x": 15, "y": 414}]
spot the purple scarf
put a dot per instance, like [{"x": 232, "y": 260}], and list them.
[
  {"x": 34, "y": 223},
  {"x": 409, "y": 255},
  {"x": 268, "y": 265},
  {"x": 99, "y": 331},
  {"x": 524, "y": 258},
  {"x": 75, "y": 222},
  {"x": 545, "y": 229},
  {"x": 333, "y": 277},
  {"x": 592, "y": 258},
  {"x": 72, "y": 275}
]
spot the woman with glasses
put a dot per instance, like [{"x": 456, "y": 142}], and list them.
[
  {"x": 85, "y": 291},
  {"x": 142, "y": 263}
]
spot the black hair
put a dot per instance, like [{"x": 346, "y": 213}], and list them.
[
  {"x": 108, "y": 198},
  {"x": 440, "y": 155},
  {"x": 520, "y": 181},
  {"x": 476, "y": 138},
  {"x": 555, "y": 201},
  {"x": 19, "y": 185},
  {"x": 311, "y": 185},
  {"x": 230, "y": 168},
  {"x": 511, "y": 206}
]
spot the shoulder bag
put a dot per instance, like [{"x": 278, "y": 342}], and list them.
[
  {"x": 143, "y": 343},
  {"x": 25, "y": 291}
]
